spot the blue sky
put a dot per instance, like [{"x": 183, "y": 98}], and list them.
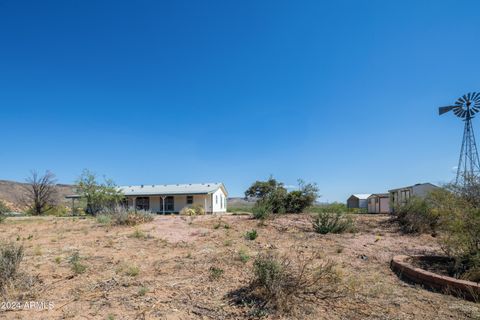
[{"x": 341, "y": 93}]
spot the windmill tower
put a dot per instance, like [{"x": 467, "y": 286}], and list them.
[{"x": 469, "y": 164}]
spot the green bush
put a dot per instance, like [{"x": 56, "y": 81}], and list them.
[
  {"x": 326, "y": 222},
  {"x": 275, "y": 196},
  {"x": 251, "y": 235},
  {"x": 75, "y": 263},
  {"x": 215, "y": 273},
  {"x": 261, "y": 210},
  {"x": 11, "y": 255},
  {"x": 194, "y": 210},
  {"x": 416, "y": 216},
  {"x": 104, "y": 219},
  {"x": 4, "y": 209},
  {"x": 120, "y": 215},
  {"x": 281, "y": 283}
]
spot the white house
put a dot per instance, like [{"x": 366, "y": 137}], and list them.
[
  {"x": 400, "y": 196},
  {"x": 358, "y": 201},
  {"x": 379, "y": 203},
  {"x": 172, "y": 198}
]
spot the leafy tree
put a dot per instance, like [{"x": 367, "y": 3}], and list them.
[
  {"x": 274, "y": 197},
  {"x": 97, "y": 196},
  {"x": 40, "y": 192},
  {"x": 261, "y": 189},
  {"x": 299, "y": 200}
]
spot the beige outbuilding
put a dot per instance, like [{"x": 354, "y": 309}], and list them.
[{"x": 379, "y": 203}]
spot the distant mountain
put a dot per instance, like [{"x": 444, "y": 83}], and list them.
[
  {"x": 240, "y": 202},
  {"x": 12, "y": 193}
]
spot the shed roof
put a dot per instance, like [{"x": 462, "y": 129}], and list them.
[
  {"x": 380, "y": 195},
  {"x": 361, "y": 196}
]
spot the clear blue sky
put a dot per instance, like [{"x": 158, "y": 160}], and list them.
[{"x": 342, "y": 93}]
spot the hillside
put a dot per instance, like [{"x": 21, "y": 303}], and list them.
[{"x": 12, "y": 193}]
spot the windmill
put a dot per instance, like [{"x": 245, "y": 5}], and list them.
[{"x": 469, "y": 164}]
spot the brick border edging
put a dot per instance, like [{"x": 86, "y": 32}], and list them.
[{"x": 461, "y": 288}]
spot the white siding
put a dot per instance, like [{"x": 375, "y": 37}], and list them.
[
  {"x": 219, "y": 201},
  {"x": 180, "y": 201}
]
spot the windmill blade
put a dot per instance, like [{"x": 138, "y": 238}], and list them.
[{"x": 443, "y": 110}]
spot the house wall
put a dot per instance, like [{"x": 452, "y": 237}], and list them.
[
  {"x": 363, "y": 203},
  {"x": 219, "y": 201},
  {"x": 352, "y": 202},
  {"x": 378, "y": 205},
  {"x": 372, "y": 205},
  {"x": 422, "y": 190},
  {"x": 384, "y": 205},
  {"x": 180, "y": 201}
]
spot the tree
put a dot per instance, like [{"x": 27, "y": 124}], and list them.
[
  {"x": 40, "y": 192},
  {"x": 274, "y": 197},
  {"x": 97, "y": 196},
  {"x": 260, "y": 189},
  {"x": 299, "y": 200}
]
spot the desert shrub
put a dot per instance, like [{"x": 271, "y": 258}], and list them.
[
  {"x": 416, "y": 216},
  {"x": 75, "y": 263},
  {"x": 120, "y": 215},
  {"x": 132, "y": 271},
  {"x": 335, "y": 207},
  {"x": 58, "y": 211},
  {"x": 194, "y": 210},
  {"x": 457, "y": 210},
  {"x": 11, "y": 255},
  {"x": 261, "y": 210},
  {"x": 326, "y": 222},
  {"x": 2, "y": 218},
  {"x": 4, "y": 208},
  {"x": 281, "y": 284},
  {"x": 275, "y": 196},
  {"x": 243, "y": 256},
  {"x": 215, "y": 273},
  {"x": 297, "y": 201},
  {"x": 142, "y": 291},
  {"x": 187, "y": 211},
  {"x": 139, "y": 234},
  {"x": 251, "y": 235},
  {"x": 104, "y": 219}
]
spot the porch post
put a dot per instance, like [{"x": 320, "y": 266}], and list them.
[
  {"x": 134, "y": 201},
  {"x": 163, "y": 205},
  {"x": 73, "y": 207},
  {"x": 206, "y": 205}
]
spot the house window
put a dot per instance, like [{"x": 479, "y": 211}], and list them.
[
  {"x": 143, "y": 203},
  {"x": 189, "y": 199}
]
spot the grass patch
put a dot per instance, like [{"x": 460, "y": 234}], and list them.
[
  {"x": 243, "y": 256},
  {"x": 251, "y": 235},
  {"x": 325, "y": 222},
  {"x": 75, "y": 263},
  {"x": 11, "y": 255},
  {"x": 215, "y": 273}
]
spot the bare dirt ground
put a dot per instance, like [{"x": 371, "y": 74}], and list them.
[{"x": 161, "y": 270}]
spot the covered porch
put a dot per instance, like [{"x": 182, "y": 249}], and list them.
[{"x": 168, "y": 204}]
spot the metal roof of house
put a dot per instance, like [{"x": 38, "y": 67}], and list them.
[
  {"x": 361, "y": 196},
  {"x": 168, "y": 189},
  {"x": 171, "y": 189}
]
